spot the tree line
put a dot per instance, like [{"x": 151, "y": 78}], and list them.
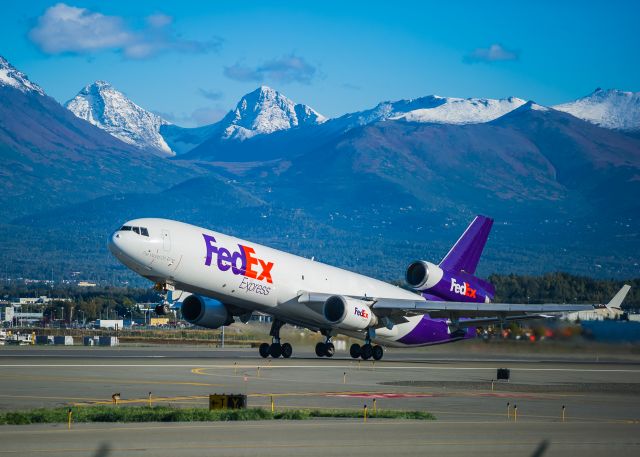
[{"x": 562, "y": 288}]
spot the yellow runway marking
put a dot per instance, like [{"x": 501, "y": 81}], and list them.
[{"x": 265, "y": 369}]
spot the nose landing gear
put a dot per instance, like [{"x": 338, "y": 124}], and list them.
[{"x": 275, "y": 349}]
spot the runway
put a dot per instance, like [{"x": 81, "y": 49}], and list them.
[{"x": 601, "y": 396}]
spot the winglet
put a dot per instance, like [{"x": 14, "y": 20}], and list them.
[{"x": 616, "y": 301}]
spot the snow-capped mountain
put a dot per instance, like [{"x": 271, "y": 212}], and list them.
[
  {"x": 612, "y": 108},
  {"x": 435, "y": 109},
  {"x": 105, "y": 107},
  {"x": 266, "y": 110},
  {"x": 464, "y": 110},
  {"x": 10, "y": 76}
]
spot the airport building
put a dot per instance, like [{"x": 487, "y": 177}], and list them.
[
  {"x": 9, "y": 314},
  {"x": 110, "y": 323}
]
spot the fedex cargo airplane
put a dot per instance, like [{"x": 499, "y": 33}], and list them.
[{"x": 219, "y": 277}]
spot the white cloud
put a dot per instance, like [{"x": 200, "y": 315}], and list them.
[
  {"x": 494, "y": 53},
  {"x": 64, "y": 28},
  {"x": 68, "y": 29},
  {"x": 286, "y": 69}
]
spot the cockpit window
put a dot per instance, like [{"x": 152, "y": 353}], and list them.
[{"x": 139, "y": 230}]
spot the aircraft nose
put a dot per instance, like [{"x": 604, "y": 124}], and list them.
[{"x": 113, "y": 243}]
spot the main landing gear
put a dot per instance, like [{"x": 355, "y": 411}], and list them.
[
  {"x": 326, "y": 349},
  {"x": 275, "y": 349},
  {"x": 366, "y": 351}
]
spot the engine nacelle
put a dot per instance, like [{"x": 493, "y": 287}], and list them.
[
  {"x": 348, "y": 313},
  {"x": 205, "y": 312},
  {"x": 423, "y": 275}
]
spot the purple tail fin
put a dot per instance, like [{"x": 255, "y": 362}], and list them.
[{"x": 465, "y": 254}]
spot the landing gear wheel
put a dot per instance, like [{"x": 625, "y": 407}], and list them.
[
  {"x": 320, "y": 349},
  {"x": 275, "y": 350},
  {"x": 378, "y": 352},
  {"x": 366, "y": 352},
  {"x": 329, "y": 349},
  {"x": 355, "y": 350},
  {"x": 264, "y": 350},
  {"x": 287, "y": 350}
]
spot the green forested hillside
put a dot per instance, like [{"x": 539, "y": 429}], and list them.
[{"x": 561, "y": 288}]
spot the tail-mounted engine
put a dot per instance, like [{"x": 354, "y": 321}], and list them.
[
  {"x": 438, "y": 284},
  {"x": 423, "y": 275}
]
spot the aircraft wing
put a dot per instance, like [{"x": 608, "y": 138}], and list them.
[
  {"x": 488, "y": 312},
  {"x": 473, "y": 310},
  {"x": 447, "y": 308},
  {"x": 471, "y": 313}
]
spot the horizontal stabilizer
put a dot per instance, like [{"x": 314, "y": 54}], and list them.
[{"x": 465, "y": 254}]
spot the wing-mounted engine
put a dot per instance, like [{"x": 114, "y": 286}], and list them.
[
  {"x": 348, "y": 313},
  {"x": 205, "y": 312}
]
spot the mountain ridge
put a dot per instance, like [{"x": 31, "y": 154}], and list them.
[
  {"x": 105, "y": 107},
  {"x": 11, "y": 76},
  {"x": 266, "y": 111},
  {"x": 610, "y": 108}
]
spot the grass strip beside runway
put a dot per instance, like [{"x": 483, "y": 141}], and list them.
[{"x": 172, "y": 414}]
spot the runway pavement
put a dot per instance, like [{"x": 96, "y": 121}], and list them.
[
  {"x": 601, "y": 395},
  {"x": 323, "y": 438}
]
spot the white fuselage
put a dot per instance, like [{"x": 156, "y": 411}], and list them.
[{"x": 209, "y": 263}]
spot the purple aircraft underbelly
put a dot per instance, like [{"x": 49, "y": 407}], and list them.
[{"x": 434, "y": 331}]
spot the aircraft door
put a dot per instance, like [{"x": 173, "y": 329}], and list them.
[{"x": 166, "y": 240}]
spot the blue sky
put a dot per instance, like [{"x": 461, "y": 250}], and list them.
[{"x": 192, "y": 60}]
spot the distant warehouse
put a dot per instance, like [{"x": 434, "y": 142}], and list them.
[{"x": 109, "y": 323}]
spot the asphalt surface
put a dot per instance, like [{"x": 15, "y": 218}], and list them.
[{"x": 601, "y": 395}]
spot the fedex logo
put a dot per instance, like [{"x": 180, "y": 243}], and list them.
[
  {"x": 462, "y": 289},
  {"x": 242, "y": 262},
  {"x": 361, "y": 312}
]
